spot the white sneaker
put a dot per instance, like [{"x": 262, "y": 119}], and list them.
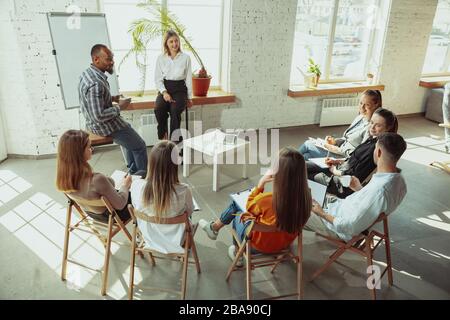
[
  {"x": 207, "y": 227},
  {"x": 231, "y": 255}
]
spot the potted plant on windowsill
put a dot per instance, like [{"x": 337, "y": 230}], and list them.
[
  {"x": 144, "y": 30},
  {"x": 315, "y": 69}
]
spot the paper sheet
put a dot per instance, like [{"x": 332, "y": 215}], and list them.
[
  {"x": 118, "y": 177},
  {"x": 241, "y": 198}
]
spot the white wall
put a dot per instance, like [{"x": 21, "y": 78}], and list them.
[
  {"x": 410, "y": 24},
  {"x": 30, "y": 101},
  {"x": 260, "y": 57}
]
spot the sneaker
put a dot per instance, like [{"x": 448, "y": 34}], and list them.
[
  {"x": 231, "y": 255},
  {"x": 207, "y": 227}
]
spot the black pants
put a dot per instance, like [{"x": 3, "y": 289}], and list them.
[
  {"x": 325, "y": 177},
  {"x": 178, "y": 92}
]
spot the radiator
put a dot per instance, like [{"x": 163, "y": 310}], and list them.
[
  {"x": 337, "y": 112},
  {"x": 148, "y": 129}
]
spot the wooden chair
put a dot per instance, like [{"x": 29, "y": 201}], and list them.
[
  {"x": 364, "y": 245},
  {"x": 254, "y": 261},
  {"x": 105, "y": 232},
  {"x": 99, "y": 140},
  {"x": 139, "y": 246}
]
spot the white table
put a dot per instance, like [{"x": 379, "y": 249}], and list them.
[{"x": 212, "y": 144}]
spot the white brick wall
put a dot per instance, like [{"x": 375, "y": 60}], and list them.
[
  {"x": 409, "y": 27},
  {"x": 31, "y": 103},
  {"x": 260, "y": 55}
]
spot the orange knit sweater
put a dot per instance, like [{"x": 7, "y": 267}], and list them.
[{"x": 259, "y": 207}]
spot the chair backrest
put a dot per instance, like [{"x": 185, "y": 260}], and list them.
[
  {"x": 157, "y": 240},
  {"x": 259, "y": 227},
  {"x": 100, "y": 204},
  {"x": 136, "y": 214}
]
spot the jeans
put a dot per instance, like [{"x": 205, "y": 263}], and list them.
[
  {"x": 232, "y": 214},
  {"x": 133, "y": 148},
  {"x": 309, "y": 150}
]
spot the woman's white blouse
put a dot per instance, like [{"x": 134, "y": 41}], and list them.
[
  {"x": 178, "y": 68},
  {"x": 163, "y": 238}
]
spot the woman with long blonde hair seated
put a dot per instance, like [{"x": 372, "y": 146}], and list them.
[
  {"x": 162, "y": 195},
  {"x": 74, "y": 176}
]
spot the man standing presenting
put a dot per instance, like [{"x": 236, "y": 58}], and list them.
[{"x": 102, "y": 117}]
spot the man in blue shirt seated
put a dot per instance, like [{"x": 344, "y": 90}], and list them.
[{"x": 348, "y": 217}]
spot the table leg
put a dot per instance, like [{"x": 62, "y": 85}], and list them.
[
  {"x": 215, "y": 173},
  {"x": 186, "y": 158},
  {"x": 244, "y": 165}
]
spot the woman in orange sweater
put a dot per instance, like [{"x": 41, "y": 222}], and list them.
[{"x": 288, "y": 207}]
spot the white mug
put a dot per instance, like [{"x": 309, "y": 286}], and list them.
[{"x": 345, "y": 181}]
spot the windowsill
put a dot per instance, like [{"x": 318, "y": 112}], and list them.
[
  {"x": 434, "y": 82},
  {"x": 325, "y": 89},
  {"x": 214, "y": 97}
]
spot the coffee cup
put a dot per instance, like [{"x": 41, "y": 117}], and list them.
[{"x": 345, "y": 181}]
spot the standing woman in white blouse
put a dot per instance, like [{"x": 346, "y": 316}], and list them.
[{"x": 173, "y": 78}]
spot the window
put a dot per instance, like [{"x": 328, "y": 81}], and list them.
[
  {"x": 343, "y": 36},
  {"x": 193, "y": 14},
  {"x": 437, "y": 59}
]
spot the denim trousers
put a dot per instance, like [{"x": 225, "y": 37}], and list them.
[
  {"x": 232, "y": 214},
  {"x": 309, "y": 150},
  {"x": 133, "y": 148}
]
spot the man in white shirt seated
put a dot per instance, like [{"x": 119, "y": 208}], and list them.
[{"x": 349, "y": 217}]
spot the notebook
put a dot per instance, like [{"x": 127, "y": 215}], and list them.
[
  {"x": 321, "y": 161},
  {"x": 118, "y": 177},
  {"x": 318, "y": 191},
  {"x": 241, "y": 198}
]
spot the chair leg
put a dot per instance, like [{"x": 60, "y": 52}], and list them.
[
  {"x": 240, "y": 252},
  {"x": 132, "y": 262},
  {"x": 194, "y": 254},
  {"x": 123, "y": 227},
  {"x": 248, "y": 270},
  {"x": 66, "y": 243},
  {"x": 332, "y": 258},
  {"x": 370, "y": 264},
  {"x": 300, "y": 267},
  {"x": 387, "y": 247},
  {"x": 185, "y": 267},
  {"x": 107, "y": 256},
  {"x": 277, "y": 263},
  {"x": 151, "y": 259}
]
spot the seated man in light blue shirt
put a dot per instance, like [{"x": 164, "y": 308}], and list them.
[{"x": 349, "y": 217}]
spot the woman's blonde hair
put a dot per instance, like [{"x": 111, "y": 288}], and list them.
[
  {"x": 72, "y": 167},
  {"x": 169, "y": 34},
  {"x": 291, "y": 197},
  {"x": 162, "y": 177}
]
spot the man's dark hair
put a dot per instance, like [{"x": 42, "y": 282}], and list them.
[
  {"x": 393, "y": 144},
  {"x": 97, "y": 48}
]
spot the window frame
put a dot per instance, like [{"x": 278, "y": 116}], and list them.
[
  {"x": 446, "y": 59},
  {"x": 222, "y": 43},
  {"x": 325, "y": 78}
]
